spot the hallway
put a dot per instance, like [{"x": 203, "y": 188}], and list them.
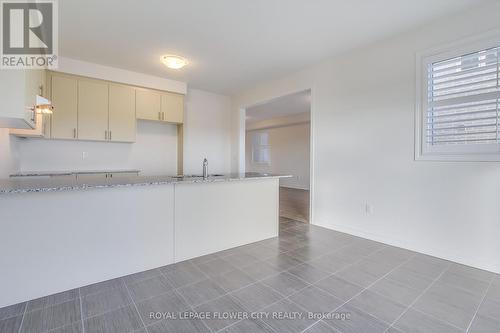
[{"x": 294, "y": 204}]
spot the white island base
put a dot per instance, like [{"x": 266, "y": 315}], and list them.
[{"x": 58, "y": 240}]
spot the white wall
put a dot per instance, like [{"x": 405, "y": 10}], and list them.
[
  {"x": 362, "y": 111},
  {"x": 8, "y": 153},
  {"x": 207, "y": 132},
  {"x": 154, "y": 152},
  {"x": 289, "y": 154},
  {"x": 78, "y": 67}
]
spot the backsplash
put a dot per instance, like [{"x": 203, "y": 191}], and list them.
[{"x": 154, "y": 152}]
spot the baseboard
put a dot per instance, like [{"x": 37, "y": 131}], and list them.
[
  {"x": 404, "y": 244},
  {"x": 295, "y": 218},
  {"x": 295, "y": 187}
]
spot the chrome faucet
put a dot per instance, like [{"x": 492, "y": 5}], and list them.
[{"x": 205, "y": 168}]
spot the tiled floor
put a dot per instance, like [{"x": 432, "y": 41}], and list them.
[{"x": 309, "y": 279}]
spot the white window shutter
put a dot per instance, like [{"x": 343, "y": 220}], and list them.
[{"x": 463, "y": 96}]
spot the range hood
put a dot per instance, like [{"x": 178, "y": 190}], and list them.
[
  {"x": 43, "y": 105},
  {"x": 42, "y": 108},
  {"x": 28, "y": 118},
  {"x": 21, "y": 95}
]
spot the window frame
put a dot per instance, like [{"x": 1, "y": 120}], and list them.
[
  {"x": 261, "y": 146},
  {"x": 423, "y": 152}
]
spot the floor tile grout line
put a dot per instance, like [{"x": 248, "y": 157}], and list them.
[
  {"x": 81, "y": 310},
  {"x": 112, "y": 309},
  {"x": 279, "y": 272},
  {"x": 135, "y": 306},
  {"x": 481, "y": 303},
  {"x": 196, "y": 265},
  {"x": 22, "y": 319},
  {"x": 420, "y": 296},
  {"x": 351, "y": 243},
  {"x": 104, "y": 289},
  {"x": 248, "y": 285},
  {"x": 307, "y": 286},
  {"x": 273, "y": 303},
  {"x": 49, "y": 306},
  {"x": 183, "y": 298},
  {"x": 438, "y": 319},
  {"x": 253, "y": 283},
  {"x": 369, "y": 286},
  {"x": 446, "y": 283},
  {"x": 460, "y": 287}
]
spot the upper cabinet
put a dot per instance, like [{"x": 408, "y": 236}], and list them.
[
  {"x": 92, "y": 110},
  {"x": 64, "y": 96},
  {"x": 98, "y": 110},
  {"x": 148, "y": 104},
  {"x": 159, "y": 106},
  {"x": 122, "y": 123},
  {"x": 172, "y": 107}
]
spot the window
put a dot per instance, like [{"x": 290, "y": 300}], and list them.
[
  {"x": 261, "y": 153},
  {"x": 458, "y": 115}
]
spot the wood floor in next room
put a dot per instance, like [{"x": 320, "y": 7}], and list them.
[
  {"x": 294, "y": 204},
  {"x": 307, "y": 270}
]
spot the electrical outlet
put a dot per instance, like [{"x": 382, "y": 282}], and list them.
[{"x": 84, "y": 155}]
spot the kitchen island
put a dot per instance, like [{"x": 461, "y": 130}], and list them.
[{"x": 59, "y": 233}]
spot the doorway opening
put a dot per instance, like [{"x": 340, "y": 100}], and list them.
[{"x": 278, "y": 141}]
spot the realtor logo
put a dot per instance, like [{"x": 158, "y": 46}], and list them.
[{"x": 29, "y": 34}]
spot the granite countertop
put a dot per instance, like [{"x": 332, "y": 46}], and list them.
[
  {"x": 48, "y": 183},
  {"x": 70, "y": 173}
]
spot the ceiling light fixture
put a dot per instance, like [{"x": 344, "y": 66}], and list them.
[{"x": 173, "y": 61}]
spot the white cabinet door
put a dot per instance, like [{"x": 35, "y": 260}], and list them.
[
  {"x": 148, "y": 104},
  {"x": 92, "y": 110},
  {"x": 122, "y": 121},
  {"x": 64, "y": 96},
  {"x": 172, "y": 108}
]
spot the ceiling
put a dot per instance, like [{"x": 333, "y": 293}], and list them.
[
  {"x": 233, "y": 44},
  {"x": 280, "y": 107}
]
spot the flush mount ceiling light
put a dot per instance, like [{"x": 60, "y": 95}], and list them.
[{"x": 174, "y": 61}]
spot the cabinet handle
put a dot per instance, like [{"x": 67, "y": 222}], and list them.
[
  {"x": 74, "y": 133},
  {"x": 159, "y": 115},
  {"x": 110, "y": 135},
  {"x": 105, "y": 135}
]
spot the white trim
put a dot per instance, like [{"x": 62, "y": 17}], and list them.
[
  {"x": 242, "y": 136},
  {"x": 460, "y": 153},
  {"x": 416, "y": 246}
]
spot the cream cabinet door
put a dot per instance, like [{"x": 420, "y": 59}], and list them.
[
  {"x": 64, "y": 94},
  {"x": 122, "y": 122},
  {"x": 92, "y": 110},
  {"x": 148, "y": 104},
  {"x": 172, "y": 108}
]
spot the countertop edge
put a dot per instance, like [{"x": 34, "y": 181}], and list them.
[{"x": 172, "y": 181}]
